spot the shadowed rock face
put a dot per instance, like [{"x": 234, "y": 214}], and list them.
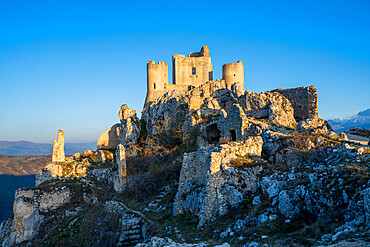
[
  {"x": 29, "y": 207},
  {"x": 58, "y": 148}
]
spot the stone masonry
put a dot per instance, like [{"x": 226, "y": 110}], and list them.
[
  {"x": 189, "y": 72},
  {"x": 304, "y": 101}
]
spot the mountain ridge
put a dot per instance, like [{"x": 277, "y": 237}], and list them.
[
  {"x": 32, "y": 148},
  {"x": 360, "y": 119}
]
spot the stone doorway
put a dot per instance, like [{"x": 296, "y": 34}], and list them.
[
  {"x": 232, "y": 135},
  {"x": 213, "y": 133}
]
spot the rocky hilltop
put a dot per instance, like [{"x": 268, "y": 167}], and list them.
[{"x": 210, "y": 166}]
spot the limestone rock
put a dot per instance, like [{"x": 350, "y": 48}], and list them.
[
  {"x": 105, "y": 155},
  {"x": 109, "y": 139},
  {"x": 126, "y": 113},
  {"x": 29, "y": 204},
  {"x": 286, "y": 208},
  {"x": 66, "y": 169},
  {"x": 237, "y": 89},
  {"x": 316, "y": 126},
  {"x": 130, "y": 126},
  {"x": 58, "y": 147},
  {"x": 166, "y": 113},
  {"x": 77, "y": 157},
  {"x": 272, "y": 106},
  {"x": 208, "y": 186},
  {"x": 209, "y": 107},
  {"x": 366, "y": 194},
  {"x": 93, "y": 155},
  {"x": 343, "y": 136},
  {"x": 122, "y": 169},
  {"x": 5, "y": 232},
  {"x": 161, "y": 242}
]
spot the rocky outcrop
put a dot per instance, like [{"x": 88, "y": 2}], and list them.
[
  {"x": 161, "y": 242},
  {"x": 126, "y": 133},
  {"x": 30, "y": 205},
  {"x": 166, "y": 113},
  {"x": 316, "y": 126},
  {"x": 58, "y": 148},
  {"x": 62, "y": 169},
  {"x": 272, "y": 106},
  {"x": 323, "y": 189},
  {"x": 209, "y": 185},
  {"x": 110, "y": 138},
  {"x": 122, "y": 169},
  {"x": 105, "y": 155},
  {"x": 130, "y": 130}
]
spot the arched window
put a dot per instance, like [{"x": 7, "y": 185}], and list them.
[
  {"x": 193, "y": 71},
  {"x": 154, "y": 86}
]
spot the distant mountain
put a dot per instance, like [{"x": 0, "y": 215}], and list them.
[
  {"x": 32, "y": 148},
  {"x": 20, "y": 165},
  {"x": 361, "y": 119}
]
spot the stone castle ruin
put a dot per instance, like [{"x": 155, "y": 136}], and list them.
[
  {"x": 189, "y": 72},
  {"x": 58, "y": 147},
  {"x": 206, "y": 148}
]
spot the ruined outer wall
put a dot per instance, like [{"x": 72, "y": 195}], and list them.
[
  {"x": 304, "y": 101},
  {"x": 233, "y": 73},
  {"x": 157, "y": 80},
  {"x": 183, "y": 68},
  {"x": 235, "y": 120}
]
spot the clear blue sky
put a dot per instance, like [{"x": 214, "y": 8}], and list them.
[{"x": 71, "y": 64}]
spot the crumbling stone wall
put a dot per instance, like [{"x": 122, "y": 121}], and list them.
[
  {"x": 193, "y": 70},
  {"x": 233, "y": 123},
  {"x": 58, "y": 148},
  {"x": 304, "y": 101}
]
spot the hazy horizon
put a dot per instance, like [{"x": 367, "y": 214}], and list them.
[{"x": 71, "y": 66}]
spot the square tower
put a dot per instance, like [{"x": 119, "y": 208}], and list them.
[{"x": 194, "y": 70}]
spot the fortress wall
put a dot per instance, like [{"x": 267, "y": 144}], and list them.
[
  {"x": 233, "y": 73},
  {"x": 304, "y": 101}
]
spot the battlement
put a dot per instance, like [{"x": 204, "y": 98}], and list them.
[
  {"x": 159, "y": 62},
  {"x": 188, "y": 72}
]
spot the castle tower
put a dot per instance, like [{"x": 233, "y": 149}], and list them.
[
  {"x": 233, "y": 73},
  {"x": 157, "y": 79},
  {"x": 193, "y": 70}
]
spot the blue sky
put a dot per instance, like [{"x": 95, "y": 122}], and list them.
[{"x": 71, "y": 64}]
